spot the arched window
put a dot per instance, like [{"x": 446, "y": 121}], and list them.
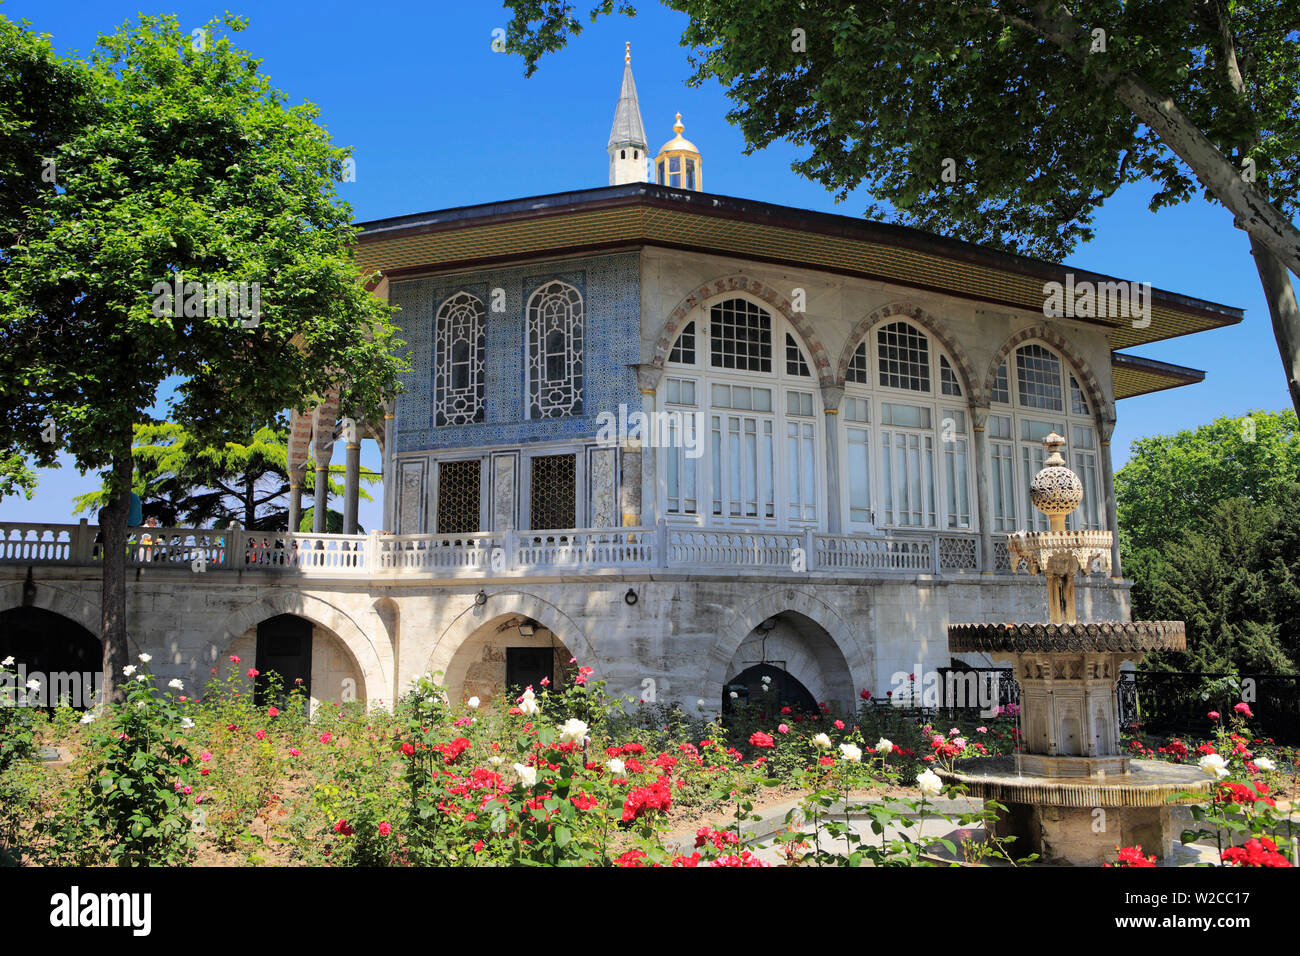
[
  {"x": 743, "y": 445},
  {"x": 555, "y": 352},
  {"x": 906, "y": 461},
  {"x": 458, "y": 364},
  {"x": 1035, "y": 393}
]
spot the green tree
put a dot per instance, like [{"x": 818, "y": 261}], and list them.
[
  {"x": 1235, "y": 581},
  {"x": 1070, "y": 101},
  {"x": 1171, "y": 482},
  {"x": 177, "y": 162},
  {"x": 181, "y": 482}
]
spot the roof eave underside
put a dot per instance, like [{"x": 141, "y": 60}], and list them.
[{"x": 593, "y": 220}]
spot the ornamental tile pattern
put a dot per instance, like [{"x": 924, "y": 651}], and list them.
[{"x": 611, "y": 291}]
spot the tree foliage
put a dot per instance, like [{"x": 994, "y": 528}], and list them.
[
  {"x": 174, "y": 160},
  {"x": 1171, "y": 482},
  {"x": 182, "y": 482},
  {"x": 1211, "y": 536}
]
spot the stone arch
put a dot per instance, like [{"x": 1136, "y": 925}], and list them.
[
  {"x": 64, "y": 603},
  {"x": 374, "y": 658},
  {"x": 846, "y": 638},
  {"x": 521, "y": 604},
  {"x": 970, "y": 383},
  {"x": 705, "y": 294},
  {"x": 1103, "y": 409}
]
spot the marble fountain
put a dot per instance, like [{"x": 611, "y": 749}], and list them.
[{"x": 1072, "y": 795}]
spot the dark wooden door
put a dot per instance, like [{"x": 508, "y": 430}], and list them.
[
  {"x": 526, "y": 666},
  {"x": 283, "y": 648}
]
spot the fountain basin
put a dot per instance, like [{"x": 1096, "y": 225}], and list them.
[{"x": 1079, "y": 821}]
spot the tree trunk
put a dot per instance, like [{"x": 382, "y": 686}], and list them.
[
  {"x": 113, "y": 598},
  {"x": 1282, "y": 308}
]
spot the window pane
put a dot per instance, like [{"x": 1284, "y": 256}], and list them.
[
  {"x": 1038, "y": 377},
  {"x": 859, "y": 454},
  {"x": 909, "y": 416},
  {"x": 741, "y": 336},
  {"x": 857, "y": 371},
  {"x": 555, "y": 352},
  {"x": 459, "y": 348},
  {"x": 904, "y": 357}
]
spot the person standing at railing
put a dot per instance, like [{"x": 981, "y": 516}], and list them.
[{"x": 146, "y": 539}]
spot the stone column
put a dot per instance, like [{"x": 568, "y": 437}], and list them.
[
  {"x": 390, "y": 472},
  {"x": 321, "y": 500},
  {"x": 295, "y": 499},
  {"x": 647, "y": 381},
  {"x": 1107, "y": 428},
  {"x": 351, "y": 484},
  {"x": 979, "y": 415},
  {"x": 832, "y": 395}
]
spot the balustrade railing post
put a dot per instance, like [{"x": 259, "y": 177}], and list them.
[
  {"x": 808, "y": 553},
  {"x": 512, "y": 549},
  {"x": 934, "y": 553},
  {"x": 79, "y": 547},
  {"x": 661, "y": 543},
  {"x": 372, "y": 552}
]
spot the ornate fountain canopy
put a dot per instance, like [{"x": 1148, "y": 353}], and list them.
[{"x": 1056, "y": 491}]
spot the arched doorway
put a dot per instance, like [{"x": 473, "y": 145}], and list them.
[
  {"x": 505, "y": 655},
  {"x": 303, "y": 654},
  {"x": 803, "y": 662},
  {"x": 65, "y": 657},
  {"x": 768, "y": 686}
]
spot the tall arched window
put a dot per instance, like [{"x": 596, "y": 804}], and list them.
[
  {"x": 1034, "y": 393},
  {"x": 742, "y": 408},
  {"x": 458, "y": 363},
  {"x": 906, "y": 453},
  {"x": 555, "y": 352}
]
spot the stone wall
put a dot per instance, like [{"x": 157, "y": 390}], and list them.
[{"x": 686, "y": 631}]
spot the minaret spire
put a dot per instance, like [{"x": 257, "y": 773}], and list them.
[{"x": 627, "y": 143}]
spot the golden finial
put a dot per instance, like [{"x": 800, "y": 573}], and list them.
[
  {"x": 678, "y": 127},
  {"x": 627, "y": 52}
]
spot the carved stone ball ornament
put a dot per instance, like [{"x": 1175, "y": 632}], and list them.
[{"x": 1056, "y": 490}]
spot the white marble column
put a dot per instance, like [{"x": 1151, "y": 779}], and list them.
[
  {"x": 832, "y": 396},
  {"x": 1107, "y": 428},
  {"x": 647, "y": 381},
  {"x": 351, "y": 484},
  {"x": 979, "y": 415}
]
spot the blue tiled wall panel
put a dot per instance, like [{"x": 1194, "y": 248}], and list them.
[{"x": 611, "y": 295}]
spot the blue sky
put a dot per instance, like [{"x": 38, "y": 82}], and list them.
[{"x": 438, "y": 120}]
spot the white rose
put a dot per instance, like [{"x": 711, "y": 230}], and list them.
[
  {"x": 176, "y": 684},
  {"x": 822, "y": 742},
  {"x": 496, "y": 761},
  {"x": 929, "y": 783},
  {"x": 472, "y": 703},
  {"x": 1212, "y": 765},
  {"x": 528, "y": 707},
  {"x": 146, "y": 658},
  {"x": 615, "y": 766},
  {"x": 884, "y": 746},
  {"x": 850, "y": 753},
  {"x": 142, "y": 677},
  {"x": 734, "y": 695},
  {"x": 33, "y": 684},
  {"x": 527, "y": 775},
  {"x": 186, "y": 723},
  {"x": 573, "y": 730},
  {"x": 8, "y": 661},
  {"x": 88, "y": 717},
  {"x": 128, "y": 670},
  {"x": 1263, "y": 763},
  {"x": 700, "y": 703}
]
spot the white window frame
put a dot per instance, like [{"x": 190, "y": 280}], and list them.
[
  {"x": 940, "y": 407},
  {"x": 1027, "y": 517},
  {"x": 779, "y": 382},
  {"x": 575, "y": 356}
]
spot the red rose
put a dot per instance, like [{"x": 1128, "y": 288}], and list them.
[
  {"x": 760, "y": 739},
  {"x": 408, "y": 749}
]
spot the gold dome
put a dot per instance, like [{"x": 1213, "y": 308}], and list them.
[{"x": 679, "y": 163}]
